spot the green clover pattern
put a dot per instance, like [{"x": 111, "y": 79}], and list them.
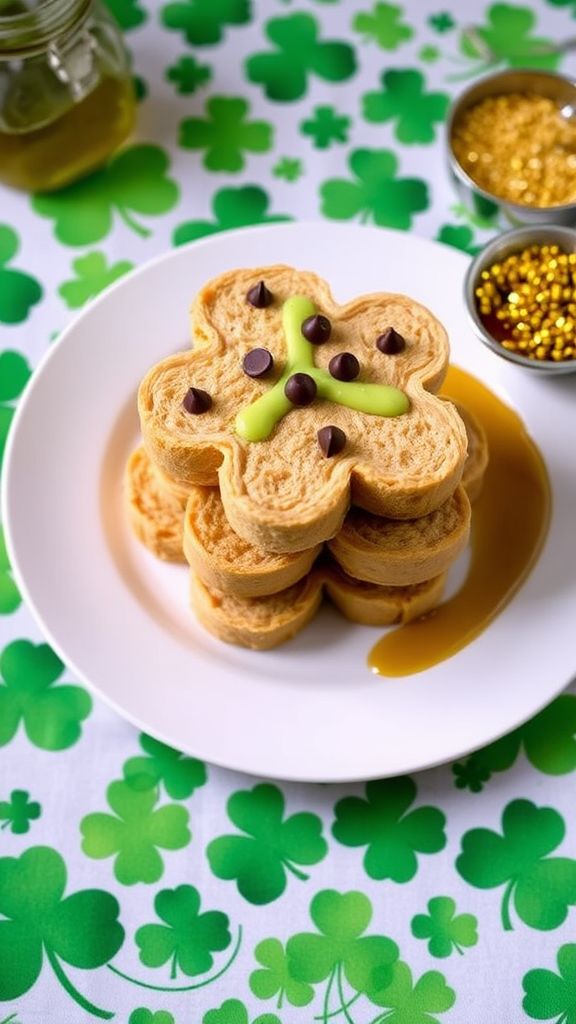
[
  {"x": 188, "y": 939},
  {"x": 392, "y": 833},
  {"x": 180, "y": 775},
  {"x": 14, "y": 375},
  {"x": 135, "y": 832},
  {"x": 376, "y": 195},
  {"x": 158, "y": 891},
  {"x": 19, "y": 291},
  {"x": 51, "y": 715},
  {"x": 225, "y": 134},
  {"x": 444, "y": 928},
  {"x": 272, "y": 847},
  {"x": 17, "y": 812},
  {"x": 551, "y": 996},
  {"x": 404, "y": 100},
  {"x": 541, "y": 888},
  {"x": 10, "y": 598},
  {"x": 300, "y": 53}
]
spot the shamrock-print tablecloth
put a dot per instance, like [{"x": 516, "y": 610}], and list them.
[{"x": 140, "y": 885}]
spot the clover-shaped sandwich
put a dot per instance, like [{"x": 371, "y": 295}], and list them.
[{"x": 298, "y": 407}]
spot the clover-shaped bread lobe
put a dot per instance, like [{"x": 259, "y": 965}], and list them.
[
  {"x": 227, "y": 562},
  {"x": 282, "y": 494},
  {"x": 155, "y": 507},
  {"x": 397, "y": 553}
]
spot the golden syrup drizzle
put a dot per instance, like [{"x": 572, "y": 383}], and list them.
[{"x": 509, "y": 524}]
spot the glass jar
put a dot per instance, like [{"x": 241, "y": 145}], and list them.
[{"x": 66, "y": 94}]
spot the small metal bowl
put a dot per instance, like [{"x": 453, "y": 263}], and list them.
[
  {"x": 494, "y": 252},
  {"x": 545, "y": 83}
]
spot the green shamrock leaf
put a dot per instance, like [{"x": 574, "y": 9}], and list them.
[
  {"x": 485, "y": 213},
  {"x": 470, "y": 775},
  {"x": 93, "y": 276},
  {"x": 144, "y": 1016},
  {"x": 140, "y": 88},
  {"x": 549, "y": 741},
  {"x": 14, "y": 374},
  {"x": 442, "y": 22},
  {"x": 549, "y": 995},
  {"x": 188, "y": 75},
  {"x": 376, "y": 193},
  {"x": 541, "y": 887},
  {"x": 203, "y": 21},
  {"x": 128, "y": 13},
  {"x": 444, "y": 928},
  {"x": 409, "y": 1003},
  {"x": 10, "y": 598},
  {"x": 232, "y": 208},
  {"x": 51, "y": 715},
  {"x": 259, "y": 860},
  {"x": 507, "y": 36},
  {"x": 299, "y": 53},
  {"x": 134, "y": 832},
  {"x": 326, "y": 127},
  {"x": 274, "y": 978},
  {"x": 180, "y": 774},
  {"x": 288, "y": 169},
  {"x": 36, "y": 921},
  {"x": 188, "y": 938},
  {"x": 134, "y": 181},
  {"x": 383, "y": 25},
  {"x": 403, "y": 100},
  {"x": 429, "y": 54},
  {"x": 18, "y": 291},
  {"x": 459, "y": 236},
  {"x": 19, "y": 811},
  {"x": 393, "y": 837},
  {"x": 232, "y": 1011},
  {"x": 564, "y": 3},
  {"x": 225, "y": 134},
  {"x": 339, "y": 949}
]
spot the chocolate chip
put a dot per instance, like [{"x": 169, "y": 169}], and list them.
[
  {"x": 390, "y": 342},
  {"x": 259, "y": 296},
  {"x": 316, "y": 329},
  {"x": 331, "y": 440},
  {"x": 196, "y": 401},
  {"x": 300, "y": 388},
  {"x": 258, "y": 362},
  {"x": 344, "y": 366}
]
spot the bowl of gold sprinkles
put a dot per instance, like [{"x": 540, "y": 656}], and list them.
[
  {"x": 512, "y": 140},
  {"x": 520, "y": 293}
]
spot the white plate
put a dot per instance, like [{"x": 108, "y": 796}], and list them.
[{"x": 310, "y": 710}]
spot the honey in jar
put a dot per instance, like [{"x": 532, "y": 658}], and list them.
[{"x": 66, "y": 94}]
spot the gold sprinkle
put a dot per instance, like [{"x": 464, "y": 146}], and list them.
[
  {"x": 519, "y": 147},
  {"x": 528, "y": 295}
]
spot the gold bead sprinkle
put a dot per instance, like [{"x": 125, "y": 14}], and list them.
[
  {"x": 524, "y": 315},
  {"x": 519, "y": 147}
]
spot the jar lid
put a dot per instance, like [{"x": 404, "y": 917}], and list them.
[{"x": 27, "y": 26}]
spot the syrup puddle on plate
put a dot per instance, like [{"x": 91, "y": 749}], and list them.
[{"x": 509, "y": 524}]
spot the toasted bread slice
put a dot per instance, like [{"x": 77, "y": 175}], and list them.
[
  {"x": 155, "y": 508},
  {"x": 280, "y": 492},
  {"x": 226, "y": 562},
  {"x": 396, "y": 553},
  {"x": 265, "y": 622}
]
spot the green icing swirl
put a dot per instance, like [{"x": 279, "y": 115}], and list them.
[{"x": 257, "y": 421}]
